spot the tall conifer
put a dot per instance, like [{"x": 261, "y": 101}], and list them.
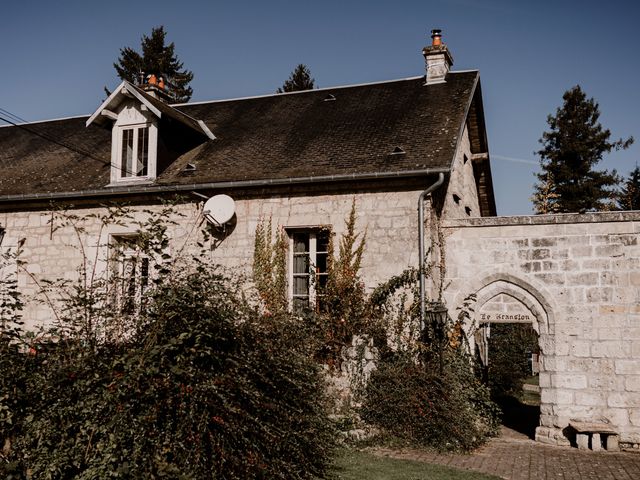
[
  {"x": 156, "y": 59},
  {"x": 300, "y": 79},
  {"x": 573, "y": 146},
  {"x": 630, "y": 194}
]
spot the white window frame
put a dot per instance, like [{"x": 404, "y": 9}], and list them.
[
  {"x": 8, "y": 271},
  {"x": 312, "y": 234},
  {"x": 139, "y": 137},
  {"x": 118, "y": 175},
  {"x": 129, "y": 287}
]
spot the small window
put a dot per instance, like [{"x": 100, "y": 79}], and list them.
[
  {"x": 8, "y": 276},
  {"x": 468, "y": 210},
  {"x": 456, "y": 198},
  {"x": 129, "y": 274},
  {"x": 465, "y": 159},
  {"x": 308, "y": 272},
  {"x": 134, "y": 152}
]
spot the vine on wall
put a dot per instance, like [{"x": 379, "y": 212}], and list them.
[
  {"x": 270, "y": 267},
  {"x": 346, "y": 304},
  {"x": 344, "y": 309}
]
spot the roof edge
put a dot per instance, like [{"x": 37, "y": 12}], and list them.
[
  {"x": 44, "y": 121},
  {"x": 111, "y": 192},
  {"x": 463, "y": 124}
]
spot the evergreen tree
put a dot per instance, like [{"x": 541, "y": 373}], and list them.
[
  {"x": 630, "y": 195},
  {"x": 572, "y": 147},
  {"x": 544, "y": 200},
  {"x": 156, "y": 59},
  {"x": 300, "y": 79}
]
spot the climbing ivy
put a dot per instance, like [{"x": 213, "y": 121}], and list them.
[{"x": 270, "y": 267}]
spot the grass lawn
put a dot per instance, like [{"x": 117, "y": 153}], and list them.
[
  {"x": 530, "y": 398},
  {"x": 354, "y": 465}
]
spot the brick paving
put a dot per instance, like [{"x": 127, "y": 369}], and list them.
[{"x": 514, "y": 456}]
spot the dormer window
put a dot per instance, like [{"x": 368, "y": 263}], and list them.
[
  {"x": 134, "y": 152},
  {"x": 134, "y": 155},
  {"x": 138, "y": 153}
]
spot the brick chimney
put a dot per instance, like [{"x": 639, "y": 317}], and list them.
[
  {"x": 156, "y": 86},
  {"x": 437, "y": 59}
]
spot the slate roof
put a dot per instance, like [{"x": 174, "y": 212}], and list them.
[
  {"x": 338, "y": 131},
  {"x": 163, "y": 109}
]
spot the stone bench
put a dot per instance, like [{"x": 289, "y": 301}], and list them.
[{"x": 591, "y": 432}]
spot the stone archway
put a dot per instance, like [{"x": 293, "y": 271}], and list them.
[
  {"x": 505, "y": 298},
  {"x": 525, "y": 299},
  {"x": 530, "y": 298}
]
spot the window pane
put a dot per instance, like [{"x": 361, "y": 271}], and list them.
[
  {"x": 126, "y": 165},
  {"x": 301, "y": 263},
  {"x": 300, "y": 243},
  {"x": 130, "y": 284},
  {"x": 301, "y": 285},
  {"x": 322, "y": 281},
  {"x": 131, "y": 274},
  {"x": 321, "y": 263},
  {"x": 322, "y": 241},
  {"x": 144, "y": 273},
  {"x": 143, "y": 148}
]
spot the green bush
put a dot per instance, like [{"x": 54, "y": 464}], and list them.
[
  {"x": 204, "y": 388},
  {"x": 510, "y": 346},
  {"x": 410, "y": 400}
]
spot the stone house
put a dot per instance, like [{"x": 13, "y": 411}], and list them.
[{"x": 301, "y": 159}]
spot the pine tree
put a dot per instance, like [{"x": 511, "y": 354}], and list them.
[
  {"x": 629, "y": 198},
  {"x": 156, "y": 59},
  {"x": 300, "y": 79},
  {"x": 544, "y": 200},
  {"x": 572, "y": 147}
]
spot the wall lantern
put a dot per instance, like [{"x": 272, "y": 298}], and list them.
[{"x": 437, "y": 315}]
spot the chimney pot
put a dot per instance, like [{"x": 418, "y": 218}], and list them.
[{"x": 436, "y": 37}]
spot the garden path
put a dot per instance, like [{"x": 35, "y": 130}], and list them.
[{"x": 515, "y": 456}]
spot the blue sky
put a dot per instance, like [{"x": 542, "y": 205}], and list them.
[{"x": 56, "y": 57}]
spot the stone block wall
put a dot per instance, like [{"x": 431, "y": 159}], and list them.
[
  {"x": 52, "y": 251},
  {"x": 575, "y": 277},
  {"x": 578, "y": 277},
  {"x": 462, "y": 194}
]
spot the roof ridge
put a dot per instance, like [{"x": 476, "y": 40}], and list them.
[
  {"x": 298, "y": 92},
  {"x": 204, "y": 102}
]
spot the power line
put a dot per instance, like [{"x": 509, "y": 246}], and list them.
[
  {"x": 48, "y": 138},
  {"x": 7, "y": 112}
]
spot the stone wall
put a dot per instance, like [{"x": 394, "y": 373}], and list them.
[
  {"x": 53, "y": 251},
  {"x": 577, "y": 276},
  {"x": 461, "y": 198}
]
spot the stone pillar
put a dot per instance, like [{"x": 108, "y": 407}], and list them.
[
  {"x": 582, "y": 439},
  {"x": 612, "y": 443}
]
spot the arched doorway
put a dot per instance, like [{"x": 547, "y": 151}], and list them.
[{"x": 513, "y": 315}]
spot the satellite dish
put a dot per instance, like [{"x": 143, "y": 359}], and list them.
[{"x": 219, "y": 209}]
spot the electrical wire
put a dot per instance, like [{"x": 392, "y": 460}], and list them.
[
  {"x": 7, "y": 112},
  {"x": 49, "y": 138}
]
